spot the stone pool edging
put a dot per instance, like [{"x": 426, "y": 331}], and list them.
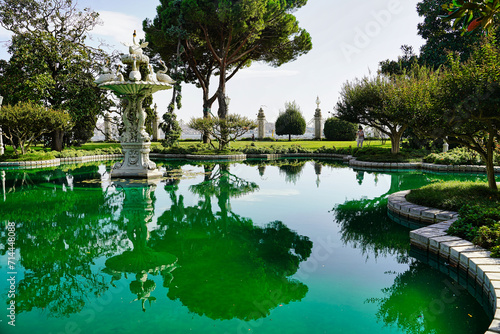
[
  {"x": 472, "y": 259},
  {"x": 242, "y": 157},
  {"x": 59, "y": 161},
  {"x": 353, "y": 162}
]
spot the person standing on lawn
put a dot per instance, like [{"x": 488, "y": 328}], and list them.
[{"x": 360, "y": 136}]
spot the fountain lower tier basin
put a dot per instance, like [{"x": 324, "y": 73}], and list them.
[{"x": 136, "y": 163}]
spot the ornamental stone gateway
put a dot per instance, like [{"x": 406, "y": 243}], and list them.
[{"x": 135, "y": 140}]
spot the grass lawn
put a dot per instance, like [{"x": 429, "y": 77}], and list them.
[
  {"x": 309, "y": 144},
  {"x": 452, "y": 195}
]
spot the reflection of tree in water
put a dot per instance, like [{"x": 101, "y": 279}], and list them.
[
  {"x": 228, "y": 268},
  {"x": 364, "y": 224},
  {"x": 422, "y": 301},
  {"x": 59, "y": 233},
  {"x": 292, "y": 169}
]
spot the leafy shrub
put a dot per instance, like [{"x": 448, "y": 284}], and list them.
[
  {"x": 71, "y": 153},
  {"x": 34, "y": 156},
  {"x": 479, "y": 224},
  {"x": 291, "y": 122},
  {"x": 324, "y": 149},
  {"x": 456, "y": 156},
  {"x": 273, "y": 149},
  {"x": 337, "y": 129}
]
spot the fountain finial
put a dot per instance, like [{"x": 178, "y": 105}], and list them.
[{"x": 135, "y": 48}]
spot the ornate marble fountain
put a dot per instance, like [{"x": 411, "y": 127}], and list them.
[{"x": 135, "y": 140}]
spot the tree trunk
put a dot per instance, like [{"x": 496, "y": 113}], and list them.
[
  {"x": 289, "y": 137},
  {"x": 490, "y": 169},
  {"x": 206, "y": 114},
  {"x": 396, "y": 138},
  {"x": 57, "y": 140}
]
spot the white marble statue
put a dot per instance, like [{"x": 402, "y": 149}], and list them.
[
  {"x": 105, "y": 75},
  {"x": 119, "y": 76},
  {"x": 134, "y": 75},
  {"x": 162, "y": 76},
  {"x": 135, "y": 48},
  {"x": 152, "y": 75}
]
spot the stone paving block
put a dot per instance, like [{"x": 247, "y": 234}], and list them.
[
  {"x": 445, "y": 247},
  {"x": 494, "y": 326},
  {"x": 434, "y": 242},
  {"x": 430, "y": 213},
  {"x": 417, "y": 211},
  {"x": 405, "y": 208},
  {"x": 494, "y": 277},
  {"x": 445, "y": 215},
  {"x": 443, "y": 225},
  {"x": 488, "y": 261}
]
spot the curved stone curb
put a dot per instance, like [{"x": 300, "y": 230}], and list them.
[
  {"x": 57, "y": 162},
  {"x": 421, "y": 165},
  {"x": 472, "y": 259},
  {"x": 242, "y": 157},
  {"x": 398, "y": 204},
  {"x": 207, "y": 157}
]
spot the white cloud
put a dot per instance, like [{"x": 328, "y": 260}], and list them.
[{"x": 118, "y": 26}]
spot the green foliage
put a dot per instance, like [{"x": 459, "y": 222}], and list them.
[
  {"x": 26, "y": 122},
  {"x": 337, "y": 129},
  {"x": 384, "y": 104},
  {"x": 50, "y": 63},
  {"x": 464, "y": 104},
  {"x": 457, "y": 156},
  {"x": 479, "y": 224},
  {"x": 440, "y": 37},
  {"x": 33, "y": 156},
  {"x": 291, "y": 122},
  {"x": 468, "y": 15},
  {"x": 275, "y": 149},
  {"x": 223, "y": 37},
  {"x": 402, "y": 65},
  {"x": 70, "y": 153},
  {"x": 223, "y": 130},
  {"x": 171, "y": 128}
]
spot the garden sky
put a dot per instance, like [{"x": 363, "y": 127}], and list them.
[{"x": 349, "y": 39}]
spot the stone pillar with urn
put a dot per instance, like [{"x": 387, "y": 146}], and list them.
[
  {"x": 261, "y": 122},
  {"x": 318, "y": 124}
]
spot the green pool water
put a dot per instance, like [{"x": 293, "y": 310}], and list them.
[{"x": 281, "y": 247}]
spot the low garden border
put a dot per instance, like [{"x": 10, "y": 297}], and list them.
[
  {"x": 58, "y": 161},
  {"x": 421, "y": 165},
  {"x": 456, "y": 252}
]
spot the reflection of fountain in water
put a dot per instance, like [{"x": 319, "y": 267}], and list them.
[{"x": 142, "y": 260}]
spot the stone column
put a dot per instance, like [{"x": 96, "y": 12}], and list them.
[
  {"x": 156, "y": 124},
  {"x": 107, "y": 127},
  {"x": 445, "y": 146},
  {"x": 318, "y": 126},
  {"x": 2, "y": 151},
  {"x": 261, "y": 120}
]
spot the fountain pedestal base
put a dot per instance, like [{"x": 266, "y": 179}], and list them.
[{"x": 136, "y": 163}]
